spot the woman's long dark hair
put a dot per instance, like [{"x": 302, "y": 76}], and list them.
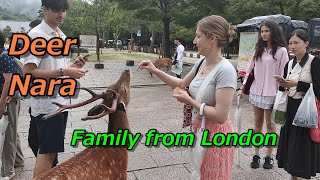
[{"x": 276, "y": 36}]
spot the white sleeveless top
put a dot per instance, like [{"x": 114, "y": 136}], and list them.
[{"x": 299, "y": 73}]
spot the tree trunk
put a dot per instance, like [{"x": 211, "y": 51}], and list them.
[
  {"x": 97, "y": 33},
  {"x": 166, "y": 44},
  {"x": 281, "y": 8},
  {"x": 97, "y": 43}
]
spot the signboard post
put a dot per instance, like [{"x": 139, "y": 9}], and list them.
[
  {"x": 88, "y": 40},
  {"x": 247, "y": 45},
  {"x": 91, "y": 41}
]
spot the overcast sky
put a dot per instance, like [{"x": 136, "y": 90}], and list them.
[{"x": 28, "y": 7}]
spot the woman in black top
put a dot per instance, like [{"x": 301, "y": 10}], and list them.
[{"x": 297, "y": 153}]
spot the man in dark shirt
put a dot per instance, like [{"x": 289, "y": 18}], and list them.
[{"x": 12, "y": 155}]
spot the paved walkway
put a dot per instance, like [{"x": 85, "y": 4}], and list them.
[{"x": 150, "y": 107}]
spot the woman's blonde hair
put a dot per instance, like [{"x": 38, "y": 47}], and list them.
[{"x": 218, "y": 27}]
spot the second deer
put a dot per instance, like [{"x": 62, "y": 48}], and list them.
[
  {"x": 162, "y": 62},
  {"x": 99, "y": 162}
]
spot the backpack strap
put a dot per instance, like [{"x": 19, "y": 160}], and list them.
[{"x": 202, "y": 89}]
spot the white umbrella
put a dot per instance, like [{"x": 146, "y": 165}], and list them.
[
  {"x": 3, "y": 126},
  {"x": 238, "y": 115}
]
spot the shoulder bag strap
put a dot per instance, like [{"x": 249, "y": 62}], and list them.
[{"x": 205, "y": 84}]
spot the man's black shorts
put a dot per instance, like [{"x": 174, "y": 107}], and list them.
[{"x": 51, "y": 133}]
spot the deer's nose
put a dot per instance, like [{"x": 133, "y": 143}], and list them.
[{"x": 127, "y": 72}]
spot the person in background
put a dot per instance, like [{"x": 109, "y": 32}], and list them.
[
  {"x": 297, "y": 153},
  {"x": 34, "y": 23},
  {"x": 12, "y": 156},
  {"x": 178, "y": 55},
  {"x": 7, "y": 44},
  {"x": 269, "y": 59}
]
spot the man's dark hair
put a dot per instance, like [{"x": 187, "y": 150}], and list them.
[
  {"x": 178, "y": 38},
  {"x": 35, "y": 23},
  {"x": 56, "y": 5},
  {"x": 2, "y": 39}
]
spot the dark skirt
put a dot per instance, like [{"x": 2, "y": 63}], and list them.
[{"x": 297, "y": 153}]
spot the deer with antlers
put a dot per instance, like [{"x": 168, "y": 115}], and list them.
[{"x": 99, "y": 162}]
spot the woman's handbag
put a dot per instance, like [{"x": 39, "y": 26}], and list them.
[
  {"x": 315, "y": 132},
  {"x": 198, "y": 152},
  {"x": 187, "y": 108},
  {"x": 248, "y": 83},
  {"x": 280, "y": 108},
  {"x": 187, "y": 114}
]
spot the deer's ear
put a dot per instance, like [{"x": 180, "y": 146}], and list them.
[
  {"x": 121, "y": 106},
  {"x": 95, "y": 111}
]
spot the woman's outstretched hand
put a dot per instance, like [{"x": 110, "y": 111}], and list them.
[
  {"x": 148, "y": 65},
  {"x": 181, "y": 95}
]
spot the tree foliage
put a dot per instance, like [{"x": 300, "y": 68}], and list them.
[
  {"x": 165, "y": 11},
  {"x": 164, "y": 19},
  {"x": 7, "y": 31},
  {"x": 9, "y": 15}
]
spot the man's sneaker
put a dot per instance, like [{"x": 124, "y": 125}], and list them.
[
  {"x": 268, "y": 162},
  {"x": 255, "y": 162},
  {"x": 8, "y": 177}
]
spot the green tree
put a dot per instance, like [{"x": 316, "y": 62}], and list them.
[
  {"x": 240, "y": 10},
  {"x": 10, "y": 15},
  {"x": 40, "y": 14},
  {"x": 22, "y": 30},
  {"x": 97, "y": 17},
  {"x": 163, "y": 10},
  {"x": 77, "y": 23},
  {"x": 302, "y": 9},
  {"x": 7, "y": 31}
]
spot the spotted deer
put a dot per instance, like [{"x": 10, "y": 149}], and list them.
[
  {"x": 99, "y": 162},
  {"x": 162, "y": 62}
]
